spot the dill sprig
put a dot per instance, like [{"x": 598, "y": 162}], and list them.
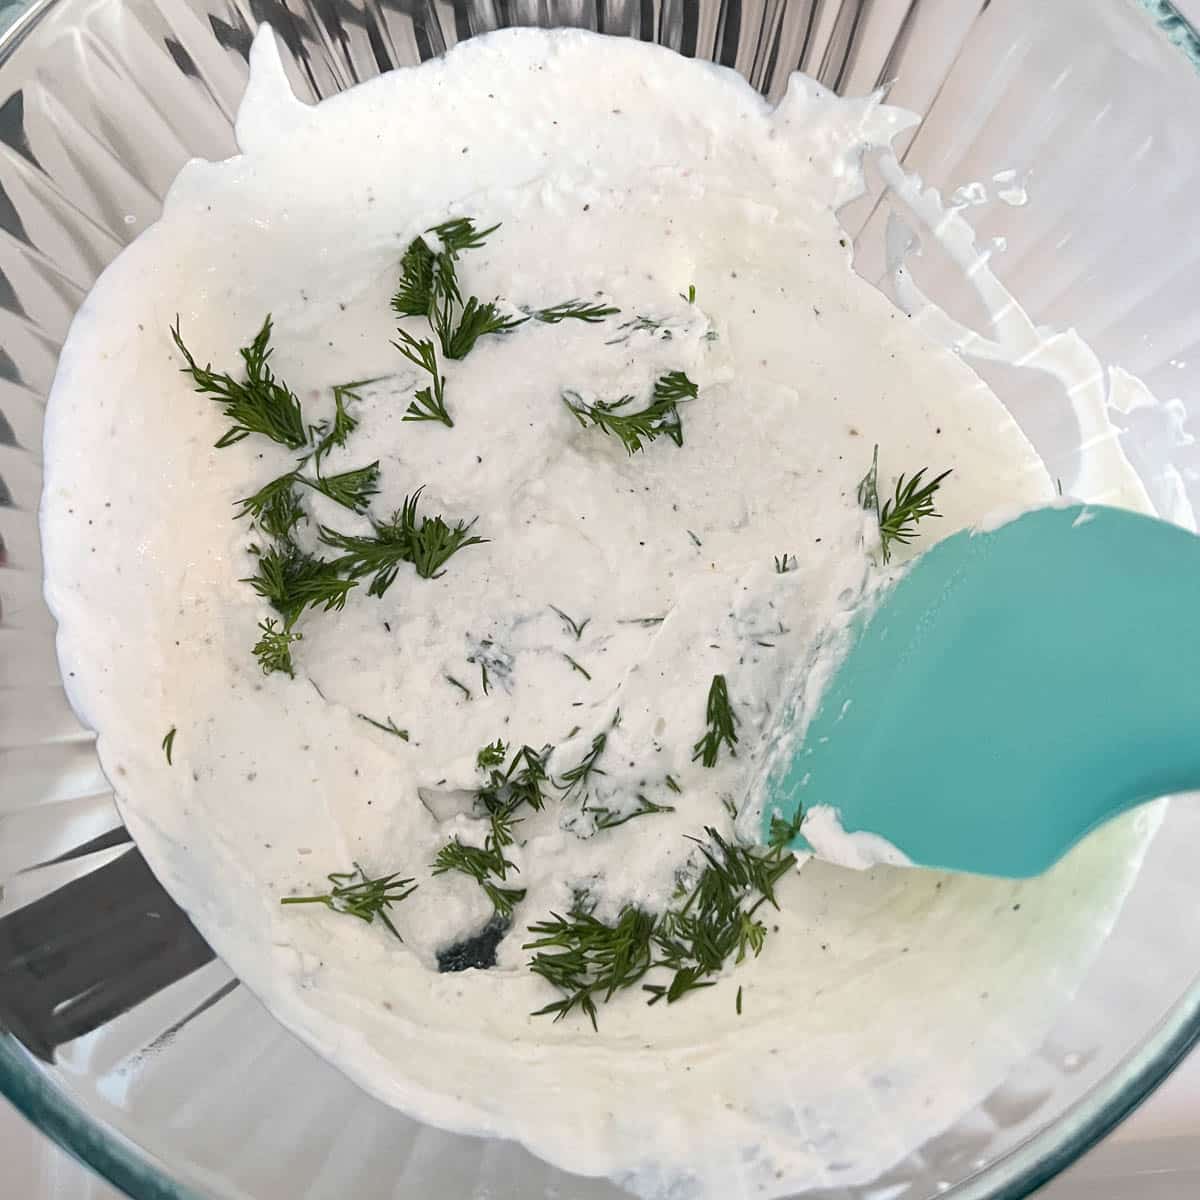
[
  {"x": 483, "y": 864},
  {"x": 576, "y": 627},
  {"x": 722, "y": 722},
  {"x": 429, "y": 403},
  {"x": 260, "y": 403},
  {"x": 587, "y": 959},
  {"x": 719, "y": 920},
  {"x": 577, "y": 310},
  {"x": 387, "y": 726},
  {"x": 911, "y": 504},
  {"x": 351, "y": 489},
  {"x": 274, "y": 648},
  {"x": 292, "y": 580},
  {"x": 460, "y": 234},
  {"x": 784, "y": 563},
  {"x": 475, "y": 321},
  {"x": 415, "y": 293},
  {"x": 168, "y": 744},
  {"x": 355, "y": 894},
  {"x": 427, "y": 543},
  {"x": 635, "y": 428},
  {"x": 418, "y": 264},
  {"x": 492, "y": 755},
  {"x": 576, "y": 778},
  {"x": 334, "y": 432},
  {"x": 607, "y": 818},
  {"x": 578, "y": 667},
  {"x": 275, "y": 507}
]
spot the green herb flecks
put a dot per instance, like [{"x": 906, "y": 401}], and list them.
[
  {"x": 355, "y": 894},
  {"x": 168, "y": 744},
  {"x": 334, "y": 432},
  {"x": 575, "y": 779},
  {"x": 350, "y": 489},
  {"x": 274, "y": 648},
  {"x": 784, "y": 563},
  {"x": 275, "y": 508},
  {"x": 475, "y": 321},
  {"x": 484, "y": 864},
  {"x": 607, "y": 818},
  {"x": 576, "y": 666},
  {"x": 428, "y": 543},
  {"x": 636, "y": 427},
  {"x": 259, "y": 403},
  {"x": 575, "y": 627},
  {"x": 722, "y": 725},
  {"x": 429, "y": 403},
  {"x": 386, "y": 726},
  {"x": 587, "y": 959},
  {"x": 911, "y": 503},
  {"x": 577, "y": 310}
]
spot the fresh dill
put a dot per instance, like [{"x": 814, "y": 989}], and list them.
[
  {"x": 575, "y": 666},
  {"x": 460, "y": 234},
  {"x": 259, "y": 403},
  {"x": 492, "y": 755},
  {"x": 718, "y": 921},
  {"x": 576, "y": 627},
  {"x": 355, "y": 894},
  {"x": 429, "y": 403},
  {"x": 784, "y": 563},
  {"x": 419, "y": 275},
  {"x": 738, "y": 1002},
  {"x": 387, "y": 726},
  {"x": 911, "y": 504},
  {"x": 588, "y": 959},
  {"x": 691, "y": 294},
  {"x": 291, "y": 580},
  {"x": 414, "y": 295},
  {"x": 427, "y": 543},
  {"x": 483, "y": 864},
  {"x": 607, "y": 818},
  {"x": 275, "y": 508},
  {"x": 334, "y": 432},
  {"x": 274, "y": 648},
  {"x": 722, "y": 722},
  {"x": 673, "y": 784},
  {"x": 634, "y": 427},
  {"x": 476, "y": 320},
  {"x": 350, "y": 489},
  {"x": 462, "y": 687},
  {"x": 576, "y": 778},
  {"x": 168, "y": 744},
  {"x": 578, "y": 310},
  {"x": 645, "y": 622}
]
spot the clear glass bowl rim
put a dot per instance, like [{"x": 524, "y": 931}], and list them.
[{"x": 1015, "y": 1176}]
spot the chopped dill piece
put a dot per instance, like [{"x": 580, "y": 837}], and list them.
[
  {"x": 722, "y": 723},
  {"x": 168, "y": 744},
  {"x": 355, "y": 894}
]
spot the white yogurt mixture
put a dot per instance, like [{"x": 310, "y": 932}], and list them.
[{"x": 885, "y": 1003}]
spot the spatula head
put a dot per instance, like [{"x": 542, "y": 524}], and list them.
[{"x": 1015, "y": 689}]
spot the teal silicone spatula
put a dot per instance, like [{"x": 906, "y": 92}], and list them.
[{"x": 1015, "y": 689}]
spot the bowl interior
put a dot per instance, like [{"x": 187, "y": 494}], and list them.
[{"x": 113, "y": 1010}]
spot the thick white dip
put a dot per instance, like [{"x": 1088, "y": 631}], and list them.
[{"x": 884, "y": 1003}]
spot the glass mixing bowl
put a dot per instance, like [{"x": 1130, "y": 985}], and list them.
[{"x": 121, "y": 1034}]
